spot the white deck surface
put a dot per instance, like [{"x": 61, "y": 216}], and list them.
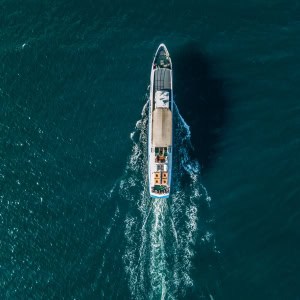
[{"x": 162, "y": 99}]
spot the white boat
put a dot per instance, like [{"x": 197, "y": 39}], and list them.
[{"x": 160, "y": 131}]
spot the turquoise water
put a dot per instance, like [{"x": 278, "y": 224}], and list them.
[{"x": 76, "y": 219}]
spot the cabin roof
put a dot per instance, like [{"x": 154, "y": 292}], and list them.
[
  {"x": 162, "y": 79},
  {"x": 162, "y": 127}
]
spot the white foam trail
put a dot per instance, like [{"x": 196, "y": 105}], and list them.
[{"x": 157, "y": 254}]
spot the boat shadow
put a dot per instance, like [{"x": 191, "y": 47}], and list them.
[{"x": 200, "y": 97}]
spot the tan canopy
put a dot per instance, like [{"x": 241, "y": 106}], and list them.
[{"x": 162, "y": 127}]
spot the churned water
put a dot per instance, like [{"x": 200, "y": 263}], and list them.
[{"x": 76, "y": 220}]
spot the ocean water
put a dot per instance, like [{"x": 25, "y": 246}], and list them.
[{"x": 76, "y": 220}]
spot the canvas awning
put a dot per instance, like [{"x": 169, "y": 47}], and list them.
[{"x": 162, "y": 127}]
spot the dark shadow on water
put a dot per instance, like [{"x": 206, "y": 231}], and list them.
[{"x": 200, "y": 97}]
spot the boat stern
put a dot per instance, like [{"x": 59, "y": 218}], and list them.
[{"x": 155, "y": 196}]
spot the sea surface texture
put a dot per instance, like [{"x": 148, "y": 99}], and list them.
[{"x": 76, "y": 220}]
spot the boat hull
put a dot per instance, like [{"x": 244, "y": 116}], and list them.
[{"x": 160, "y": 125}]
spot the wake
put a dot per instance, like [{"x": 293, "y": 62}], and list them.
[{"x": 160, "y": 234}]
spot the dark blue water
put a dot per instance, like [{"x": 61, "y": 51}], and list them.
[{"x": 76, "y": 220}]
